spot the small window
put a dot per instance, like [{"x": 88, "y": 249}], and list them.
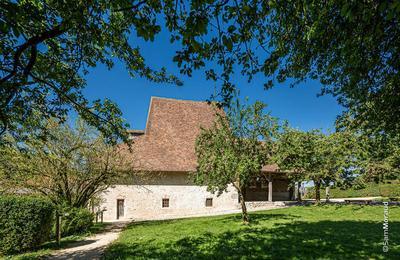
[
  {"x": 165, "y": 203},
  {"x": 209, "y": 202}
]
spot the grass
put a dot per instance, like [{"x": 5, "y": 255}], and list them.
[
  {"x": 303, "y": 232},
  {"x": 49, "y": 247},
  {"x": 372, "y": 189}
]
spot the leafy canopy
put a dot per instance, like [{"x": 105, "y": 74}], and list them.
[
  {"x": 47, "y": 47},
  {"x": 315, "y": 156},
  {"x": 378, "y": 157},
  {"x": 235, "y": 148},
  {"x": 233, "y": 151},
  {"x": 351, "y": 47},
  {"x": 70, "y": 167}
]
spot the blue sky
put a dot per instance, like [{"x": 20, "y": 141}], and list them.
[{"x": 299, "y": 105}]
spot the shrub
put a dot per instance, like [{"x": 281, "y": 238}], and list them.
[
  {"x": 76, "y": 221},
  {"x": 310, "y": 193},
  {"x": 359, "y": 184},
  {"x": 25, "y": 223}
]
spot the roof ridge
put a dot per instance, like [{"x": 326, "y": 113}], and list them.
[{"x": 180, "y": 100}]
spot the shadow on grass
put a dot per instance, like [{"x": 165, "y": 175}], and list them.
[
  {"x": 300, "y": 240},
  {"x": 255, "y": 218}
]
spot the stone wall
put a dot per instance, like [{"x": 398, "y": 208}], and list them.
[
  {"x": 143, "y": 200},
  {"x": 185, "y": 199}
]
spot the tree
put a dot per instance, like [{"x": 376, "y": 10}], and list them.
[
  {"x": 314, "y": 156},
  {"x": 47, "y": 47},
  {"x": 234, "y": 149},
  {"x": 377, "y": 155},
  {"x": 338, "y": 157},
  {"x": 71, "y": 167},
  {"x": 378, "y": 158},
  {"x": 296, "y": 154},
  {"x": 351, "y": 47},
  {"x": 287, "y": 154}
]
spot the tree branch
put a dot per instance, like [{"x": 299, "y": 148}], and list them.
[
  {"x": 73, "y": 102},
  {"x": 31, "y": 42},
  {"x": 132, "y": 7}
]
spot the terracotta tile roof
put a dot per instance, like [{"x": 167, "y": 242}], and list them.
[
  {"x": 168, "y": 143},
  {"x": 270, "y": 168}
]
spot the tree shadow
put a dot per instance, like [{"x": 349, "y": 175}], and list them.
[
  {"x": 92, "y": 253},
  {"x": 256, "y": 218},
  {"x": 286, "y": 240}
]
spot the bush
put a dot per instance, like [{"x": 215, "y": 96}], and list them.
[
  {"x": 76, "y": 221},
  {"x": 25, "y": 223},
  {"x": 310, "y": 193},
  {"x": 359, "y": 184}
]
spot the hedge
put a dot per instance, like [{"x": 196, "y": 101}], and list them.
[
  {"x": 25, "y": 223},
  {"x": 76, "y": 221}
]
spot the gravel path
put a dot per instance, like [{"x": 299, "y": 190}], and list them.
[{"x": 91, "y": 247}]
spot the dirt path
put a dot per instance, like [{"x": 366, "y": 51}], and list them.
[{"x": 91, "y": 247}]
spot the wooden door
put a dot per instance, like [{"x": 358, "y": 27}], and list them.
[{"x": 120, "y": 208}]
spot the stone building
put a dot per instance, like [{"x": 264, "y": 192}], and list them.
[{"x": 165, "y": 153}]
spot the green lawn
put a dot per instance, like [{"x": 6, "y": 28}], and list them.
[
  {"x": 303, "y": 232},
  {"x": 389, "y": 189}
]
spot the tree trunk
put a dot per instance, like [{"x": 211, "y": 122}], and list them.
[
  {"x": 317, "y": 186},
  {"x": 245, "y": 216},
  {"x": 298, "y": 191}
]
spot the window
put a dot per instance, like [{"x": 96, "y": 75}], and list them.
[
  {"x": 209, "y": 202},
  {"x": 165, "y": 203}
]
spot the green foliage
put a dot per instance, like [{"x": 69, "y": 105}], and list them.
[
  {"x": 235, "y": 148},
  {"x": 379, "y": 157},
  {"x": 51, "y": 247},
  {"x": 47, "y": 47},
  {"x": 351, "y": 47},
  {"x": 70, "y": 167},
  {"x": 231, "y": 150},
  {"x": 315, "y": 156},
  {"x": 307, "y": 232},
  {"x": 359, "y": 184},
  {"x": 25, "y": 223},
  {"x": 385, "y": 189},
  {"x": 76, "y": 221}
]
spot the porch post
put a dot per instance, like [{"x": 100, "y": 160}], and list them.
[{"x": 270, "y": 187}]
